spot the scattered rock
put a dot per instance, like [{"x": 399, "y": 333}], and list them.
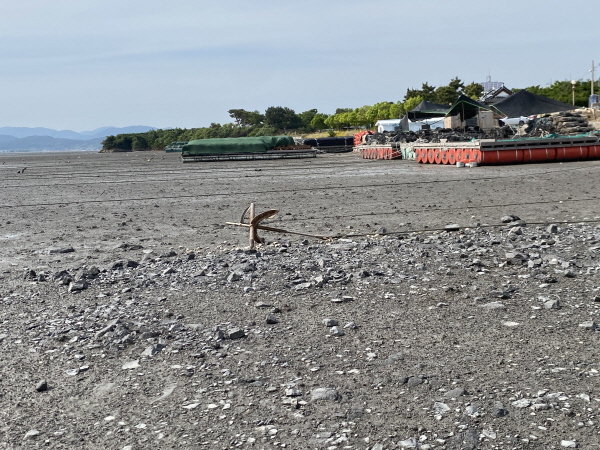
[
  {"x": 329, "y": 394},
  {"x": 455, "y": 393},
  {"x": 131, "y": 365},
  {"x": 493, "y": 306}
]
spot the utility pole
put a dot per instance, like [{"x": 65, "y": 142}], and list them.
[{"x": 592, "y": 77}]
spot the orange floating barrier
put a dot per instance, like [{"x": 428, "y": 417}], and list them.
[
  {"x": 437, "y": 155},
  {"x": 538, "y": 155},
  {"x": 566, "y": 153}
]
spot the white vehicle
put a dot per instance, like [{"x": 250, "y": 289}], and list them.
[{"x": 516, "y": 120}]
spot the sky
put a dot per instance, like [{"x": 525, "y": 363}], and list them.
[{"x": 86, "y": 64}]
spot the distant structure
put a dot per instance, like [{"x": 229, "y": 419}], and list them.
[
  {"x": 495, "y": 95},
  {"x": 489, "y": 85},
  {"x": 493, "y": 91}
]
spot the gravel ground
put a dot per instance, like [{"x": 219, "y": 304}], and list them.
[{"x": 453, "y": 309}]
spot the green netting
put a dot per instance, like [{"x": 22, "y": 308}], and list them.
[{"x": 236, "y": 145}]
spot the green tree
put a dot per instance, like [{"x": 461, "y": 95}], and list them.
[
  {"x": 412, "y": 103},
  {"x": 306, "y": 118},
  {"x": 318, "y": 121},
  {"x": 426, "y": 92},
  {"x": 279, "y": 117},
  {"x": 457, "y": 85},
  {"x": 473, "y": 90},
  {"x": 246, "y": 118},
  {"x": 446, "y": 95}
]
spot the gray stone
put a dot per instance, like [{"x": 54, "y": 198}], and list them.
[
  {"x": 522, "y": 403},
  {"x": 498, "y": 410},
  {"x": 42, "y": 386},
  {"x": 111, "y": 326},
  {"x": 552, "y": 304},
  {"x": 493, "y": 306},
  {"x": 452, "y": 227},
  {"x": 336, "y": 331},
  {"x": 552, "y": 228},
  {"x": 471, "y": 410},
  {"x": 78, "y": 286},
  {"x": 515, "y": 258},
  {"x": 589, "y": 325},
  {"x": 328, "y": 394},
  {"x": 131, "y": 365},
  {"x": 393, "y": 358},
  {"x": 568, "y": 444},
  {"x": 293, "y": 392},
  {"x": 235, "y": 276},
  {"x": 516, "y": 231},
  {"x": 414, "y": 381},
  {"x": 31, "y": 434},
  {"x": 509, "y": 218},
  {"x": 455, "y": 393},
  {"x": 467, "y": 440},
  {"x": 330, "y": 322},
  {"x": 235, "y": 333},
  {"x": 441, "y": 408},
  {"x": 271, "y": 319},
  {"x": 55, "y": 250},
  {"x": 153, "y": 350},
  {"x": 408, "y": 443}
]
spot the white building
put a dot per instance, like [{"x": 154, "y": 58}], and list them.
[{"x": 394, "y": 124}]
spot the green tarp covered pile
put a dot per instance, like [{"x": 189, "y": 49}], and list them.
[{"x": 260, "y": 144}]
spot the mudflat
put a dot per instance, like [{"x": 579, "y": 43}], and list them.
[{"x": 133, "y": 317}]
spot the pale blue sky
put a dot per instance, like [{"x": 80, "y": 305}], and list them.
[{"x": 84, "y": 64}]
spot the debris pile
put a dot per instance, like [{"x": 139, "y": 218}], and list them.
[
  {"x": 438, "y": 135},
  {"x": 563, "y": 123}
]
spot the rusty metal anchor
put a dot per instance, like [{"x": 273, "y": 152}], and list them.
[{"x": 254, "y": 225}]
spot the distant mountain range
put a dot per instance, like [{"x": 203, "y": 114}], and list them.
[{"x": 20, "y": 139}]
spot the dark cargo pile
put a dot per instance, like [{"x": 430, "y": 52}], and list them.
[
  {"x": 563, "y": 123},
  {"x": 260, "y": 144},
  {"x": 437, "y": 135},
  {"x": 328, "y": 143}
]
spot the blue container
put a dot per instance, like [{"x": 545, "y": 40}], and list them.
[{"x": 593, "y": 99}]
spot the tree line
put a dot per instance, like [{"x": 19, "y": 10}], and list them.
[{"x": 279, "y": 119}]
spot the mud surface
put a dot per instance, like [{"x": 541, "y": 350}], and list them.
[{"x": 153, "y": 327}]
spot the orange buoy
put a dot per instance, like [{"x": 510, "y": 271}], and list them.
[
  {"x": 431, "y": 155},
  {"x": 458, "y": 155},
  {"x": 437, "y": 156},
  {"x": 451, "y": 156},
  {"x": 467, "y": 155}
]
